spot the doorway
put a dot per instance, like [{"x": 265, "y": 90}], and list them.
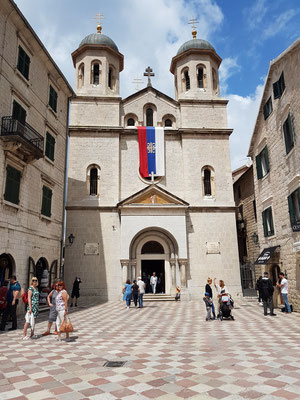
[
  {"x": 157, "y": 266},
  {"x": 6, "y": 267}
]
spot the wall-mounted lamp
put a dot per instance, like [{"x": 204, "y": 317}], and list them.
[
  {"x": 255, "y": 238},
  {"x": 71, "y": 238}
]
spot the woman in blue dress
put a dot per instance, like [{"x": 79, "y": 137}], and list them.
[{"x": 127, "y": 290}]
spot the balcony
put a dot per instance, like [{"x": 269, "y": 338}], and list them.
[{"x": 22, "y": 139}]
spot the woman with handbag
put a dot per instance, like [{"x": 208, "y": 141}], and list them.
[
  {"x": 32, "y": 307},
  {"x": 62, "y": 320}
]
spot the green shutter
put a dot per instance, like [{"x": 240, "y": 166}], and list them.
[
  {"x": 291, "y": 133},
  {"x": 267, "y": 158},
  {"x": 46, "y": 201},
  {"x": 266, "y": 111},
  {"x": 50, "y": 146},
  {"x": 265, "y": 225},
  {"x": 53, "y": 99},
  {"x": 276, "y": 90},
  {"x": 12, "y": 186},
  {"x": 291, "y": 209},
  {"x": 281, "y": 83},
  {"x": 26, "y": 66},
  {"x": 271, "y": 221},
  {"x": 258, "y": 166},
  {"x": 23, "y": 62},
  {"x": 18, "y": 112}
]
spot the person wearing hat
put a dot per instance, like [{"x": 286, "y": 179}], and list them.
[
  {"x": 208, "y": 303},
  {"x": 267, "y": 289}
]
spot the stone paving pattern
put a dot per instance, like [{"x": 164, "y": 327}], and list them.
[{"x": 171, "y": 352}]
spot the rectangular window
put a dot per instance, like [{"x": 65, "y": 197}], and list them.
[
  {"x": 53, "y": 99},
  {"x": 288, "y": 134},
  {"x": 23, "y": 63},
  {"x": 18, "y": 112},
  {"x": 268, "y": 222},
  {"x": 262, "y": 163},
  {"x": 294, "y": 210},
  {"x": 278, "y": 87},
  {"x": 12, "y": 186},
  {"x": 268, "y": 108},
  {"x": 50, "y": 146},
  {"x": 254, "y": 210},
  {"x": 46, "y": 202}
]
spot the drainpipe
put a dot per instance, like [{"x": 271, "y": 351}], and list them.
[{"x": 62, "y": 240}]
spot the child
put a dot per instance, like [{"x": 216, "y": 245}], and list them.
[
  {"x": 208, "y": 303},
  {"x": 177, "y": 295}
]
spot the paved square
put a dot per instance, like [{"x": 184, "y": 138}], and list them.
[{"x": 171, "y": 352}]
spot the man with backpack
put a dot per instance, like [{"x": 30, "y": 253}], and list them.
[
  {"x": 266, "y": 288},
  {"x": 11, "y": 304}
]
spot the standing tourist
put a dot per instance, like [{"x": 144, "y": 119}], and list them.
[
  {"x": 127, "y": 290},
  {"x": 257, "y": 287},
  {"x": 61, "y": 308},
  {"x": 11, "y": 304},
  {"x": 284, "y": 286},
  {"x": 208, "y": 290},
  {"x": 32, "y": 308},
  {"x": 208, "y": 304},
  {"x": 75, "y": 291},
  {"x": 51, "y": 299},
  {"x": 135, "y": 293},
  {"x": 153, "y": 282},
  {"x": 141, "y": 285},
  {"x": 267, "y": 290},
  {"x": 221, "y": 289}
]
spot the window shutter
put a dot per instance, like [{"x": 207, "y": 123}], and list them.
[
  {"x": 271, "y": 222},
  {"x": 265, "y": 225},
  {"x": 291, "y": 133},
  {"x": 46, "y": 202},
  {"x": 265, "y": 111},
  {"x": 291, "y": 209},
  {"x": 267, "y": 158},
  {"x": 12, "y": 186},
  {"x": 281, "y": 83},
  {"x": 26, "y": 66},
  {"x": 276, "y": 90},
  {"x": 18, "y": 112},
  {"x": 258, "y": 166},
  {"x": 50, "y": 146}
]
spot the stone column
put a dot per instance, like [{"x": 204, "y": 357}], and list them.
[
  {"x": 125, "y": 268},
  {"x": 182, "y": 267},
  {"x": 173, "y": 273},
  {"x": 133, "y": 269}
]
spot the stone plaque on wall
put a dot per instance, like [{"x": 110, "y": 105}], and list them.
[
  {"x": 91, "y": 248},
  {"x": 213, "y": 248}
]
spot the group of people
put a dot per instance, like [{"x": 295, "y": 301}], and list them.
[
  {"x": 57, "y": 300},
  {"x": 208, "y": 297},
  {"x": 134, "y": 291},
  {"x": 265, "y": 288}
]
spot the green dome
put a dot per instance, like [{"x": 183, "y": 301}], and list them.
[
  {"x": 195, "y": 44},
  {"x": 95, "y": 38}
]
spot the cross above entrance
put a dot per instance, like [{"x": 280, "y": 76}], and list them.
[{"x": 148, "y": 72}]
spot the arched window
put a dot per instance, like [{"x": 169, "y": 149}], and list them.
[
  {"x": 149, "y": 117},
  {"x": 95, "y": 73},
  {"x": 130, "y": 122},
  {"x": 200, "y": 77},
  {"x": 207, "y": 182},
  {"x": 93, "y": 182},
  {"x": 187, "y": 80},
  {"x": 80, "y": 76},
  {"x": 168, "y": 122}
]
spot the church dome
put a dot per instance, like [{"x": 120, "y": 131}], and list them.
[
  {"x": 96, "y": 38},
  {"x": 195, "y": 44}
]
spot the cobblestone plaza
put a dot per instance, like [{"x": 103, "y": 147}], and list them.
[{"x": 170, "y": 352}]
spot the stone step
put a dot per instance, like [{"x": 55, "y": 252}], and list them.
[{"x": 158, "y": 297}]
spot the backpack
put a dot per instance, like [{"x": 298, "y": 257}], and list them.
[{"x": 25, "y": 297}]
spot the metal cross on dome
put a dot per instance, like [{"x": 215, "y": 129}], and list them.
[{"x": 148, "y": 72}]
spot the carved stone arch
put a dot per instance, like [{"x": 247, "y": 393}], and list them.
[
  {"x": 112, "y": 77},
  {"x": 169, "y": 117},
  {"x": 146, "y": 114},
  {"x": 185, "y": 79},
  {"x": 31, "y": 270},
  {"x": 128, "y": 117},
  {"x": 93, "y": 180},
  {"x": 201, "y": 76},
  {"x": 80, "y": 75},
  {"x": 54, "y": 272},
  {"x": 208, "y": 182},
  {"x": 96, "y": 72}
]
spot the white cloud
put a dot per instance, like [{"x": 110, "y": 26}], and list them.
[
  {"x": 279, "y": 23},
  {"x": 256, "y": 13},
  {"x": 242, "y": 113},
  {"x": 228, "y": 67}
]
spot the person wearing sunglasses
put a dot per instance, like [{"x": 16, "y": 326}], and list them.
[
  {"x": 61, "y": 308},
  {"x": 32, "y": 308},
  {"x": 51, "y": 299}
]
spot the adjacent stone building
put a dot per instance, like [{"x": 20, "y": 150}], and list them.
[
  {"x": 275, "y": 150},
  {"x": 180, "y": 225},
  {"x": 34, "y": 97}
]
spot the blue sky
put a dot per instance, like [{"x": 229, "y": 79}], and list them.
[{"x": 247, "y": 35}]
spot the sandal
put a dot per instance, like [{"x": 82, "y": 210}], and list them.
[
  {"x": 46, "y": 333},
  {"x": 25, "y": 338}
]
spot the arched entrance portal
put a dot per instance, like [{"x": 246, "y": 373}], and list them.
[
  {"x": 6, "y": 267},
  {"x": 154, "y": 250}
]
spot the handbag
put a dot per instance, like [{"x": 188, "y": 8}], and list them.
[{"x": 66, "y": 326}]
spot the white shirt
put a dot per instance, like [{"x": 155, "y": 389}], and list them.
[
  {"x": 153, "y": 280},
  {"x": 285, "y": 286},
  {"x": 141, "y": 286},
  {"x": 219, "y": 289}
]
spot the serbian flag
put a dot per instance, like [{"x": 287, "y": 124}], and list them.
[{"x": 152, "y": 151}]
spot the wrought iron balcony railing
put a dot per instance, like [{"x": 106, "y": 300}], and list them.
[{"x": 13, "y": 127}]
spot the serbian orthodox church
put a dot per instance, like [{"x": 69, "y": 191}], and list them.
[{"x": 149, "y": 179}]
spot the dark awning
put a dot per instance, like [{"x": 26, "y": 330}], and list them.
[{"x": 265, "y": 255}]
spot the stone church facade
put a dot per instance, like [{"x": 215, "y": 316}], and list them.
[{"x": 180, "y": 225}]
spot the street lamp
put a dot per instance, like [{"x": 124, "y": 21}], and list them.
[{"x": 71, "y": 238}]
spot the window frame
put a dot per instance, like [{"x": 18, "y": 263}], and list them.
[
  {"x": 268, "y": 222},
  {"x": 23, "y": 63},
  {"x": 13, "y": 190},
  {"x": 279, "y": 87},
  {"x": 18, "y": 112},
  {"x": 268, "y": 108},
  {"x": 262, "y": 163},
  {"x": 294, "y": 209},
  {"x": 47, "y": 194},
  {"x": 53, "y": 96},
  {"x": 50, "y": 146},
  {"x": 288, "y": 134}
]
